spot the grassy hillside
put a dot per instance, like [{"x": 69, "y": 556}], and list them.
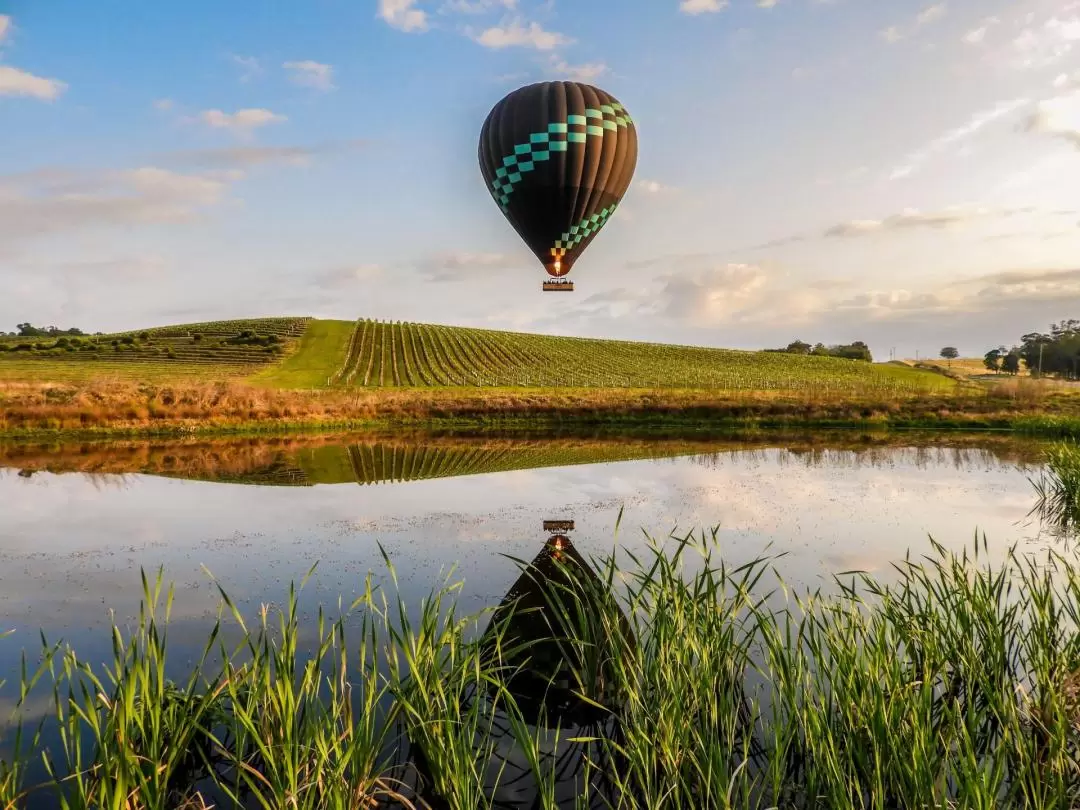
[
  {"x": 322, "y": 351},
  {"x": 298, "y": 353},
  {"x": 217, "y": 350},
  {"x": 382, "y": 354}
]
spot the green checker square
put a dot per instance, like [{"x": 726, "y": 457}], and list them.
[
  {"x": 510, "y": 160},
  {"x": 522, "y": 149},
  {"x": 593, "y": 219},
  {"x": 507, "y": 188},
  {"x": 501, "y": 172},
  {"x": 607, "y": 108},
  {"x": 620, "y": 120},
  {"x": 591, "y": 130},
  {"x": 574, "y": 229},
  {"x": 515, "y": 178},
  {"x": 558, "y": 244},
  {"x": 504, "y": 199},
  {"x": 616, "y": 105},
  {"x": 576, "y": 137},
  {"x": 539, "y": 137},
  {"x": 540, "y": 156},
  {"x": 558, "y": 146},
  {"x": 556, "y": 128},
  {"x": 611, "y": 126},
  {"x": 576, "y": 119},
  {"x": 593, "y": 114},
  {"x": 527, "y": 166}
]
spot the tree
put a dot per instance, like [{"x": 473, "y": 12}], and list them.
[
  {"x": 1010, "y": 364},
  {"x": 992, "y": 360},
  {"x": 950, "y": 353},
  {"x": 798, "y": 347}
]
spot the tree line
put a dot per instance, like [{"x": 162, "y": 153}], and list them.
[
  {"x": 848, "y": 351},
  {"x": 1056, "y": 352},
  {"x": 29, "y": 330}
]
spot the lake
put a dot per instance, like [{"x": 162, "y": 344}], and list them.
[{"x": 78, "y": 522}]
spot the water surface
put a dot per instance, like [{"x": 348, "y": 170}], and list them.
[{"x": 78, "y": 522}]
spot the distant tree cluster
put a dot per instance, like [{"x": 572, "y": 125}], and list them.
[
  {"x": 29, "y": 330},
  {"x": 848, "y": 351},
  {"x": 1054, "y": 353}
]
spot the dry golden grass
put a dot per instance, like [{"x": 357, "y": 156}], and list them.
[{"x": 123, "y": 405}]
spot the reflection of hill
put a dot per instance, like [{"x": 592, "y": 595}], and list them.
[{"x": 309, "y": 460}]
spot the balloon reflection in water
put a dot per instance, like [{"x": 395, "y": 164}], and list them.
[{"x": 553, "y": 634}]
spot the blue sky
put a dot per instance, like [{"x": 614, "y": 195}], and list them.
[{"x": 905, "y": 173}]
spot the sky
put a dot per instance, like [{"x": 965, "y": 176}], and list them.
[{"x": 902, "y": 173}]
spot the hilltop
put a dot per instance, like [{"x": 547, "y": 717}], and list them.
[
  {"x": 291, "y": 373},
  {"x": 304, "y": 353}
]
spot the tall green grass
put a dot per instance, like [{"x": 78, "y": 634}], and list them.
[
  {"x": 671, "y": 681},
  {"x": 1058, "y": 487}
]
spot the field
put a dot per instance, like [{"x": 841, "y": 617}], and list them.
[
  {"x": 299, "y": 353},
  {"x": 385, "y": 354},
  {"x": 220, "y": 350}
]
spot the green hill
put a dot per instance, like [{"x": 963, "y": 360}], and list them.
[{"x": 307, "y": 353}]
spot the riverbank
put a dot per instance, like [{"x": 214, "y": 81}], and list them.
[
  {"x": 959, "y": 685},
  {"x": 127, "y": 409}
]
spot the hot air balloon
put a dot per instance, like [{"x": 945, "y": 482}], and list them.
[{"x": 558, "y": 157}]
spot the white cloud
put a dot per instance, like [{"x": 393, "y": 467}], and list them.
[
  {"x": 1039, "y": 46},
  {"x": 15, "y": 82},
  {"x": 245, "y": 157},
  {"x": 311, "y": 74},
  {"x": 766, "y": 3},
  {"x": 1058, "y": 117},
  {"x": 49, "y": 201},
  {"x": 403, "y": 15},
  {"x": 702, "y": 6},
  {"x": 475, "y": 6},
  {"x": 242, "y": 122},
  {"x": 711, "y": 295},
  {"x": 929, "y": 14},
  {"x": 957, "y": 136},
  {"x": 5, "y": 26},
  {"x": 1065, "y": 81},
  {"x": 340, "y": 277},
  {"x": 463, "y": 266},
  {"x": 250, "y": 67},
  {"x": 587, "y": 72},
  {"x": 653, "y": 187},
  {"x": 516, "y": 35},
  {"x": 910, "y": 219}
]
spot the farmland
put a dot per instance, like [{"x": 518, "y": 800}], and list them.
[
  {"x": 394, "y": 355},
  {"x": 301, "y": 353},
  {"x": 296, "y": 372},
  {"x": 216, "y": 350}
]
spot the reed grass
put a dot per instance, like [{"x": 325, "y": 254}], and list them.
[
  {"x": 677, "y": 681},
  {"x": 1058, "y": 487}
]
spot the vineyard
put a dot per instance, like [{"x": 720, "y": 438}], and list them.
[
  {"x": 303, "y": 353},
  {"x": 223, "y": 349},
  {"x": 385, "y": 354}
]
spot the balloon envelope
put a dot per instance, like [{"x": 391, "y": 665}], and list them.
[{"x": 558, "y": 158}]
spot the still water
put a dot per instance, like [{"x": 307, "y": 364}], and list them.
[{"x": 78, "y": 523}]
